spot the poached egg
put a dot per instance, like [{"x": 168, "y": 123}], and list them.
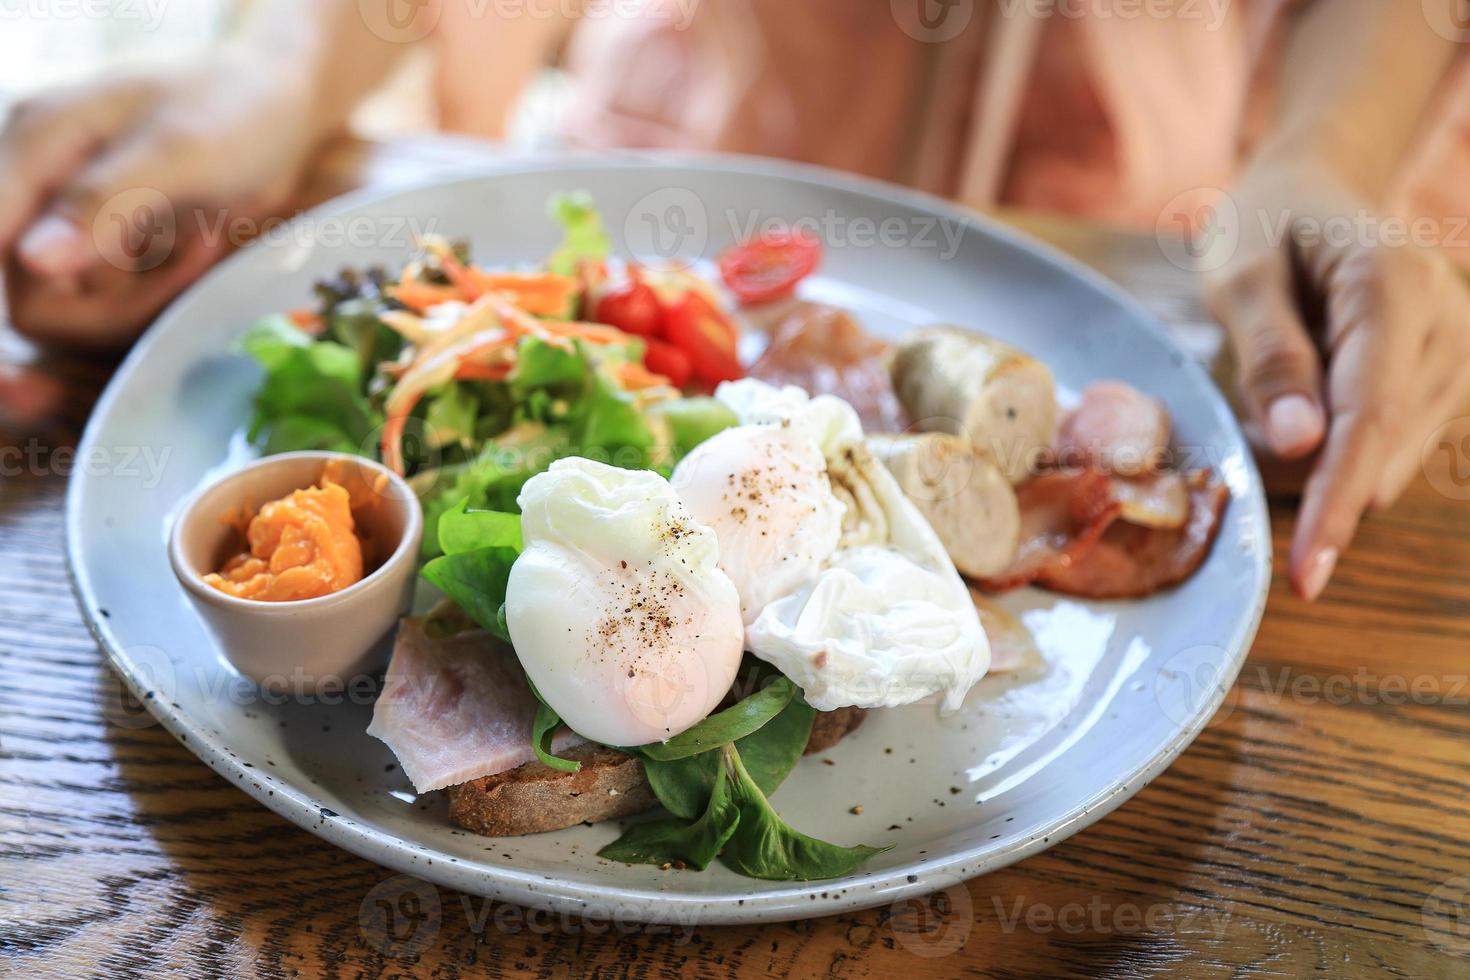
[
  {"x": 879, "y": 618},
  {"x": 617, "y": 606},
  {"x": 763, "y": 489}
]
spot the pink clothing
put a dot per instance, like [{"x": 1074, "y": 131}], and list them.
[{"x": 1107, "y": 117}]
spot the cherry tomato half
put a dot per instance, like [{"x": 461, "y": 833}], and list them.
[
  {"x": 706, "y": 335},
  {"x": 632, "y": 307},
  {"x": 770, "y": 265},
  {"x": 668, "y": 360}
]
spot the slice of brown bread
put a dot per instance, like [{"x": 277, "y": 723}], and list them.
[{"x": 534, "y": 798}]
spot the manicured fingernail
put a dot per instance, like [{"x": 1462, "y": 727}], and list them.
[
  {"x": 54, "y": 246},
  {"x": 1318, "y": 572},
  {"x": 1294, "y": 425}
]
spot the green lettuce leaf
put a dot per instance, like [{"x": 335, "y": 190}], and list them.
[
  {"x": 312, "y": 394},
  {"x": 492, "y": 480},
  {"x": 582, "y": 236}
]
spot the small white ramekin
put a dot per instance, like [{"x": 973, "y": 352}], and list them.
[{"x": 317, "y": 644}]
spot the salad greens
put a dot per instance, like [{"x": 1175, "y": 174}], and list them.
[
  {"x": 313, "y": 393},
  {"x": 469, "y": 382},
  {"x": 738, "y": 826},
  {"x": 582, "y": 227}
]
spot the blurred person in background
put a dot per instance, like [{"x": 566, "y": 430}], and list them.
[{"x": 1308, "y": 112}]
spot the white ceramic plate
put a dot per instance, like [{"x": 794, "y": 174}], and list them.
[{"x": 1031, "y": 758}]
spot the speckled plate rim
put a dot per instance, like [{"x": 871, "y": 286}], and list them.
[{"x": 781, "y": 901}]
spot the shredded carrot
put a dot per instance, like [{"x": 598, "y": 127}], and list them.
[
  {"x": 419, "y": 296},
  {"x": 593, "y": 333},
  {"x": 538, "y": 293},
  {"x": 306, "y": 319},
  {"x": 459, "y": 275},
  {"x": 479, "y": 371},
  {"x": 635, "y": 377}
]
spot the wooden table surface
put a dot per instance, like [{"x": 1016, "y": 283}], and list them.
[{"x": 1321, "y": 823}]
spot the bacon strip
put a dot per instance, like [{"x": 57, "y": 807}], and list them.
[
  {"x": 1076, "y": 537},
  {"x": 1063, "y": 513},
  {"x": 1129, "y": 561}
]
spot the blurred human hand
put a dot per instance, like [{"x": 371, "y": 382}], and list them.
[
  {"x": 119, "y": 190},
  {"x": 1351, "y": 344}
]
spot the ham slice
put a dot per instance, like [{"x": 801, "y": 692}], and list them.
[
  {"x": 1115, "y": 428},
  {"x": 456, "y": 708},
  {"x": 822, "y": 349},
  {"x": 1130, "y": 560},
  {"x": 1077, "y": 537}
]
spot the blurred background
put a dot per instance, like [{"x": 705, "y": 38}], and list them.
[{"x": 45, "y": 44}]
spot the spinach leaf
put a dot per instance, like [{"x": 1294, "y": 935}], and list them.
[
  {"x": 739, "y": 825},
  {"x": 765, "y": 846},
  {"x": 476, "y": 580},
  {"x": 738, "y": 721},
  {"x": 546, "y": 723},
  {"x": 684, "y": 786},
  {"x": 668, "y": 841},
  {"x": 770, "y": 753},
  {"x": 462, "y": 529},
  {"x": 479, "y": 548}
]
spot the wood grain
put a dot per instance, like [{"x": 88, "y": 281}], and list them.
[{"x": 1320, "y": 824}]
